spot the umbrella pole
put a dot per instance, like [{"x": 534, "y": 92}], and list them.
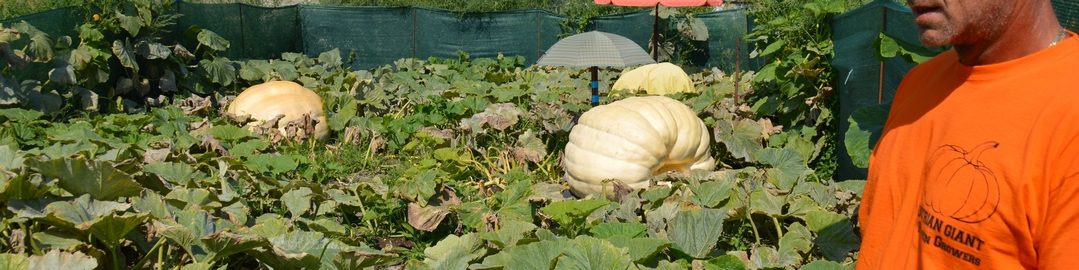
[
  {"x": 655, "y": 34},
  {"x": 595, "y": 85}
]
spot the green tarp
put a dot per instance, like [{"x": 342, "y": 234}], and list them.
[
  {"x": 374, "y": 36},
  {"x": 56, "y": 22},
  {"x": 1067, "y": 13},
  {"x": 726, "y": 39},
  {"x": 636, "y": 26},
  {"x": 527, "y": 33},
  {"x": 254, "y": 32}
]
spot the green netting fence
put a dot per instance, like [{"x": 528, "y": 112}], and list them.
[
  {"x": 56, "y": 22},
  {"x": 376, "y": 36},
  {"x": 1067, "y": 13}
]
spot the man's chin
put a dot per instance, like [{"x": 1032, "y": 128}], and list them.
[{"x": 934, "y": 38}]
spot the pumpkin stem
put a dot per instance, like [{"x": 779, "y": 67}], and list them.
[
  {"x": 974, "y": 154},
  {"x": 682, "y": 167}
]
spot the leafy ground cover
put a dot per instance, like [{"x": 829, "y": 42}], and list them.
[
  {"x": 115, "y": 154},
  {"x": 443, "y": 164}
]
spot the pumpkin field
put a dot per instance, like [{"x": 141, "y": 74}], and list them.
[{"x": 120, "y": 149}]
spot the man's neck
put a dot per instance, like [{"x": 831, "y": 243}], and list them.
[{"x": 1028, "y": 33}]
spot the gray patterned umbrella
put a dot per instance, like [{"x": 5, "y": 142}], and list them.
[{"x": 593, "y": 50}]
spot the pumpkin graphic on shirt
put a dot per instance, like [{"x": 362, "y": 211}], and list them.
[{"x": 960, "y": 185}]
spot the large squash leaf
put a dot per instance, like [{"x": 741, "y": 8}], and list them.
[
  {"x": 865, "y": 128},
  {"x": 696, "y": 232},
  {"x": 57, "y": 259},
  {"x": 97, "y": 178},
  {"x": 585, "y": 252}
]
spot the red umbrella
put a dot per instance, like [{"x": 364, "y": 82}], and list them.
[
  {"x": 657, "y": 3},
  {"x": 666, "y": 3}
]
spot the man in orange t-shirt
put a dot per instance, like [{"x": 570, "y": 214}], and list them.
[{"x": 978, "y": 164}]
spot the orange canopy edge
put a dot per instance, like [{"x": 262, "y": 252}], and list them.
[{"x": 666, "y": 3}]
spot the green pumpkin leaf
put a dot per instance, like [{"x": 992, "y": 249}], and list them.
[
  {"x": 152, "y": 203},
  {"x": 14, "y": 261},
  {"x": 191, "y": 198},
  {"x": 835, "y": 234},
  {"x": 63, "y": 74},
  {"x": 696, "y": 232},
  {"x": 866, "y": 124},
  {"x": 41, "y": 47},
  {"x": 331, "y": 58},
  {"x": 176, "y": 173},
  {"x": 571, "y": 212},
  {"x": 419, "y": 188},
  {"x": 725, "y": 262},
  {"x": 249, "y": 148},
  {"x": 328, "y": 226},
  {"x": 229, "y": 133},
  {"x": 585, "y": 252},
  {"x": 255, "y": 70},
  {"x": 57, "y": 259},
  {"x": 640, "y": 249},
  {"x": 270, "y": 225},
  {"x": 17, "y": 115},
  {"x": 219, "y": 70},
  {"x": 11, "y": 160},
  {"x": 298, "y": 201},
  {"x": 197, "y": 266},
  {"x": 853, "y": 186},
  {"x": 98, "y": 179},
  {"x": 773, "y": 47},
  {"x": 533, "y": 256},
  {"x": 788, "y": 168},
  {"x": 286, "y": 71},
  {"x": 824, "y": 265},
  {"x": 711, "y": 193},
  {"x": 275, "y": 164},
  {"x": 29, "y": 208},
  {"x": 611, "y": 229},
  {"x": 454, "y": 252},
  {"x": 761, "y": 201},
  {"x": 212, "y": 40},
  {"x": 795, "y": 241},
  {"x": 50, "y": 240},
  {"x": 89, "y": 33},
  {"x": 82, "y": 211},
  {"x": 340, "y": 119},
  {"x": 131, "y": 24},
  {"x": 299, "y": 249},
  {"x": 125, "y": 54},
  {"x": 802, "y": 205},
  {"x": 765, "y": 257},
  {"x": 223, "y": 244},
  {"x": 153, "y": 50},
  {"x": 362, "y": 258},
  {"x": 113, "y": 228},
  {"x": 511, "y": 232},
  {"x": 742, "y": 138}
]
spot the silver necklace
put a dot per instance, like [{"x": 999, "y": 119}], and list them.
[{"x": 1060, "y": 36}]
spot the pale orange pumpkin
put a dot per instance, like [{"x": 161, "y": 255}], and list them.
[{"x": 266, "y": 101}]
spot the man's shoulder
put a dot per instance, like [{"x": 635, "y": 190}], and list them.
[{"x": 939, "y": 62}]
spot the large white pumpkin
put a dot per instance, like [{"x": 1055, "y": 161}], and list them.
[
  {"x": 633, "y": 139},
  {"x": 266, "y": 101}
]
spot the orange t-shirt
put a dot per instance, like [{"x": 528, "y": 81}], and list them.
[{"x": 978, "y": 167}]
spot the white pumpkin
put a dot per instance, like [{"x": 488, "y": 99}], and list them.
[
  {"x": 633, "y": 139},
  {"x": 266, "y": 101}
]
